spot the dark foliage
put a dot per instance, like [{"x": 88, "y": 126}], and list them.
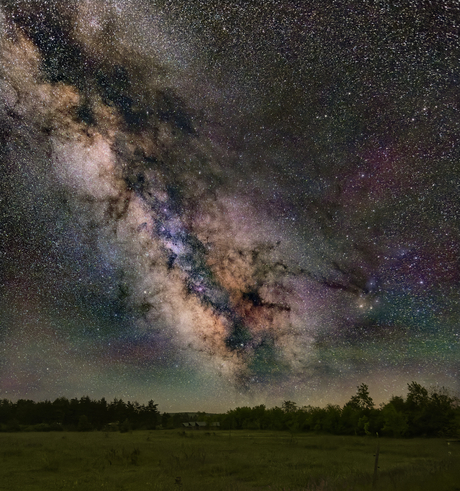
[
  {"x": 81, "y": 414},
  {"x": 423, "y": 413},
  {"x": 430, "y": 413}
]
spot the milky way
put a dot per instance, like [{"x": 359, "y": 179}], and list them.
[{"x": 219, "y": 203}]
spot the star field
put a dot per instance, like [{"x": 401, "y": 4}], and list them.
[{"x": 212, "y": 204}]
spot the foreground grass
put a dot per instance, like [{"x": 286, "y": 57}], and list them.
[{"x": 227, "y": 461}]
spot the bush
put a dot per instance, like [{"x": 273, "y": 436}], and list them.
[
  {"x": 84, "y": 424},
  {"x": 125, "y": 426}
]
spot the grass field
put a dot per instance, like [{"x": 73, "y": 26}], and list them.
[{"x": 227, "y": 461}]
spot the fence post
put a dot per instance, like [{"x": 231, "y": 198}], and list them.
[{"x": 376, "y": 465}]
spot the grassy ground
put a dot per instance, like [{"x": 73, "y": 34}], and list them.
[{"x": 227, "y": 461}]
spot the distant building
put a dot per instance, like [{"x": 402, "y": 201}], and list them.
[{"x": 195, "y": 425}]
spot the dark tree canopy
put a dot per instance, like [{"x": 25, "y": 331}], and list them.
[{"x": 423, "y": 412}]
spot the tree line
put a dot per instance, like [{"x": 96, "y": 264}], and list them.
[
  {"x": 422, "y": 412},
  {"x": 82, "y": 414}
]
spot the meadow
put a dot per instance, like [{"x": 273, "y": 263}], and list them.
[{"x": 224, "y": 461}]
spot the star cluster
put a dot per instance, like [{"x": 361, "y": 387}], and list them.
[{"x": 217, "y": 203}]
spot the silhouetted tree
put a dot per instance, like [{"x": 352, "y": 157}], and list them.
[
  {"x": 361, "y": 400},
  {"x": 125, "y": 426},
  {"x": 166, "y": 421},
  {"x": 331, "y": 419},
  {"x": 289, "y": 407},
  {"x": 395, "y": 422},
  {"x": 7, "y": 410}
]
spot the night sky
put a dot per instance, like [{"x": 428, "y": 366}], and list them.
[{"x": 222, "y": 203}]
